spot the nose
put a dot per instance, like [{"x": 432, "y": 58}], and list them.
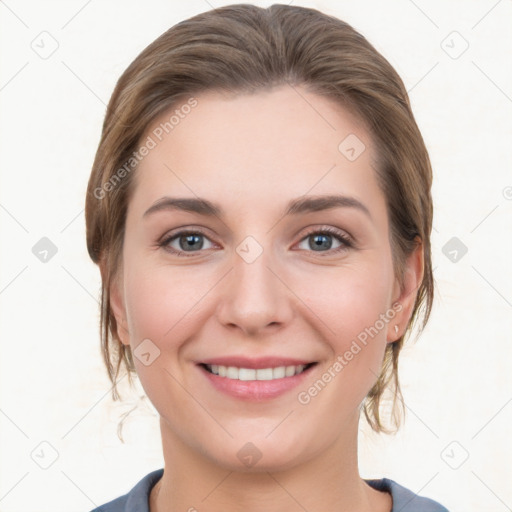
[{"x": 255, "y": 296}]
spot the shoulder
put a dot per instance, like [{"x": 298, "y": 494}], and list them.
[
  {"x": 137, "y": 499},
  {"x": 404, "y": 500}
]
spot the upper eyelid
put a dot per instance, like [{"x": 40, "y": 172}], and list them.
[
  {"x": 170, "y": 236},
  {"x": 329, "y": 230}
]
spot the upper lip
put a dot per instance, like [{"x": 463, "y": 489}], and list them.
[{"x": 256, "y": 362}]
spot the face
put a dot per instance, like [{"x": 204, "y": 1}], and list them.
[{"x": 302, "y": 298}]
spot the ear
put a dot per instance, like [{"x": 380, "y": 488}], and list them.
[
  {"x": 117, "y": 306},
  {"x": 406, "y": 294}
]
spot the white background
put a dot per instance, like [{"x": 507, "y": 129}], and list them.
[{"x": 456, "y": 378}]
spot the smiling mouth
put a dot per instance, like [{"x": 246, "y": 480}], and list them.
[{"x": 252, "y": 374}]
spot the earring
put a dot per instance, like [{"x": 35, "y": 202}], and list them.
[{"x": 396, "y": 329}]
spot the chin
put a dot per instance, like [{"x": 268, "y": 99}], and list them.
[
  {"x": 270, "y": 463},
  {"x": 262, "y": 454}
]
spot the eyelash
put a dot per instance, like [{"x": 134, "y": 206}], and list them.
[{"x": 346, "y": 241}]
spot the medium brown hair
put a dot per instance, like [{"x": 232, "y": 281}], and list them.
[{"x": 244, "y": 48}]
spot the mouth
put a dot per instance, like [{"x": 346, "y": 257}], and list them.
[
  {"x": 255, "y": 380},
  {"x": 252, "y": 374}
]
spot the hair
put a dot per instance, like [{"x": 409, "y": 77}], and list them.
[{"x": 243, "y": 49}]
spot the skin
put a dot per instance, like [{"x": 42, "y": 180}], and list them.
[{"x": 251, "y": 154}]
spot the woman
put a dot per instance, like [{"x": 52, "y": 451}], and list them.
[{"x": 281, "y": 144}]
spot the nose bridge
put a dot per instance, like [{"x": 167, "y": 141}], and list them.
[
  {"x": 255, "y": 297},
  {"x": 251, "y": 267}
]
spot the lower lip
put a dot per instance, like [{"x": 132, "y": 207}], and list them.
[{"x": 255, "y": 390}]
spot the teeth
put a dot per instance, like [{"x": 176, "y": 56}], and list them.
[
  {"x": 232, "y": 372},
  {"x": 279, "y": 372},
  {"x": 289, "y": 371},
  {"x": 243, "y": 373},
  {"x": 263, "y": 374}
]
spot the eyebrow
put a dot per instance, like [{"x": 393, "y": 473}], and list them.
[{"x": 305, "y": 204}]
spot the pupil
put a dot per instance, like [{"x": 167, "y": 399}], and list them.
[
  {"x": 190, "y": 239},
  {"x": 320, "y": 239}
]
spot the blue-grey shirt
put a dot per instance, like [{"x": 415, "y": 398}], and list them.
[{"x": 404, "y": 500}]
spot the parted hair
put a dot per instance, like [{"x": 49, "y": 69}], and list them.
[{"x": 243, "y": 48}]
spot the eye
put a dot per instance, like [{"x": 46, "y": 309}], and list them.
[
  {"x": 185, "y": 241},
  {"x": 317, "y": 240},
  {"x": 320, "y": 239}
]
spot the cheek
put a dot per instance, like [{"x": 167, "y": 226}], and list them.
[
  {"x": 348, "y": 299},
  {"x": 165, "y": 305},
  {"x": 353, "y": 306},
  {"x": 162, "y": 307},
  {"x": 159, "y": 300}
]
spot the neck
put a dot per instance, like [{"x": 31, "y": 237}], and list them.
[{"x": 328, "y": 482}]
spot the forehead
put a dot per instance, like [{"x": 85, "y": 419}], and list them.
[{"x": 267, "y": 146}]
